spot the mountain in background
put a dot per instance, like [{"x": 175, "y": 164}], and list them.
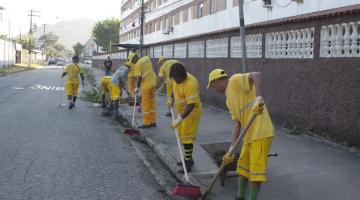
[{"x": 69, "y": 32}]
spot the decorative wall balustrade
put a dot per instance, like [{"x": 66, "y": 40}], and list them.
[
  {"x": 253, "y": 46},
  {"x": 340, "y": 40},
  {"x": 290, "y": 44},
  {"x": 197, "y": 49},
  {"x": 157, "y": 51},
  {"x": 180, "y": 50},
  {"x": 168, "y": 51},
  {"x": 217, "y": 48}
]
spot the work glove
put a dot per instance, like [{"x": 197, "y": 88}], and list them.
[
  {"x": 227, "y": 159},
  {"x": 258, "y": 106},
  {"x": 176, "y": 122},
  {"x": 170, "y": 102}
]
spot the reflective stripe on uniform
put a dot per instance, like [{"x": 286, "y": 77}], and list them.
[
  {"x": 192, "y": 97},
  {"x": 252, "y": 174},
  {"x": 146, "y": 73}
]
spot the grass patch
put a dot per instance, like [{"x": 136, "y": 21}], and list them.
[
  {"x": 89, "y": 76},
  {"x": 14, "y": 69},
  {"x": 33, "y": 65},
  {"x": 91, "y": 94}
]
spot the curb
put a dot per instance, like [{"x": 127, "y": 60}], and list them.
[
  {"x": 162, "y": 179},
  {"x": 162, "y": 153}
]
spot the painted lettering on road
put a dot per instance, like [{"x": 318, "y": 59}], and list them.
[
  {"x": 17, "y": 88},
  {"x": 46, "y": 87}
]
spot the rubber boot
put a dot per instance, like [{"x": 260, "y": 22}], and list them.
[{"x": 188, "y": 165}]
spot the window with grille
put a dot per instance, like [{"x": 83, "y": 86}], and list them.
[
  {"x": 200, "y": 10},
  {"x": 213, "y": 6}
]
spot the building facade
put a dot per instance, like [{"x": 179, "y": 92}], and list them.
[
  {"x": 90, "y": 49},
  {"x": 308, "y": 51},
  {"x": 167, "y": 20}
]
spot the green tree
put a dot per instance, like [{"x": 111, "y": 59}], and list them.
[
  {"x": 25, "y": 42},
  {"x": 104, "y": 30},
  {"x": 59, "y": 48},
  {"x": 51, "y": 45},
  {"x": 78, "y": 48}
]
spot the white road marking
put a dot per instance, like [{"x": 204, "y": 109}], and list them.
[
  {"x": 17, "y": 88},
  {"x": 45, "y": 87}
]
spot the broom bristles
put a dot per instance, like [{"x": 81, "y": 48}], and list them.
[
  {"x": 131, "y": 131},
  {"x": 187, "y": 191}
]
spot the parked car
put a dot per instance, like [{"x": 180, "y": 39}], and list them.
[
  {"x": 88, "y": 62},
  {"x": 51, "y": 61},
  {"x": 60, "y": 63}
]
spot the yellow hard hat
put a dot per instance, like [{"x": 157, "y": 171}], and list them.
[
  {"x": 216, "y": 74},
  {"x": 161, "y": 58},
  {"x": 130, "y": 57}
]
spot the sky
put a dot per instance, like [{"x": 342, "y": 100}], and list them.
[{"x": 16, "y": 11}]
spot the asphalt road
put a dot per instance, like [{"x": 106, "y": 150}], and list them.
[{"x": 51, "y": 153}]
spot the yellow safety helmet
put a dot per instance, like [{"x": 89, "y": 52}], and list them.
[
  {"x": 216, "y": 74},
  {"x": 161, "y": 58},
  {"x": 130, "y": 57}
]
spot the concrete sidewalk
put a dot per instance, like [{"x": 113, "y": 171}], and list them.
[{"x": 306, "y": 168}]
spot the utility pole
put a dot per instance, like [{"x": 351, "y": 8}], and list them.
[
  {"x": 31, "y": 15},
  {"x": 9, "y": 44},
  {"x": 44, "y": 43},
  {"x": 110, "y": 38},
  {"x": 142, "y": 17},
  {"x": 242, "y": 35}
]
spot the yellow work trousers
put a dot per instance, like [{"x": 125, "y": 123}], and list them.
[
  {"x": 115, "y": 92},
  {"x": 71, "y": 88},
  {"x": 188, "y": 128},
  {"x": 105, "y": 83},
  {"x": 131, "y": 85},
  {"x": 148, "y": 105},
  {"x": 253, "y": 159}
]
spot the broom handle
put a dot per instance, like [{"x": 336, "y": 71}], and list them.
[
  {"x": 179, "y": 146},
  {"x": 62, "y": 82},
  {"x": 231, "y": 151},
  {"x": 133, "y": 116}
]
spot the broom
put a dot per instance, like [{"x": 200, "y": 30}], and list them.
[
  {"x": 132, "y": 131},
  {"x": 186, "y": 189},
  {"x": 61, "y": 88},
  {"x": 231, "y": 152}
]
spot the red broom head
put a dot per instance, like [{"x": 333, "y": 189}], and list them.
[
  {"x": 187, "y": 191},
  {"x": 131, "y": 131}
]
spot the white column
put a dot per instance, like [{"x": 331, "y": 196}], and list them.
[
  {"x": 308, "y": 43},
  {"x": 354, "y": 39},
  {"x": 298, "y": 44},
  {"x": 332, "y": 41},
  {"x": 278, "y": 45},
  {"x": 347, "y": 38},
  {"x": 259, "y": 45},
  {"x": 303, "y": 43},
  {"x": 291, "y": 43},
  {"x": 339, "y": 40}
]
